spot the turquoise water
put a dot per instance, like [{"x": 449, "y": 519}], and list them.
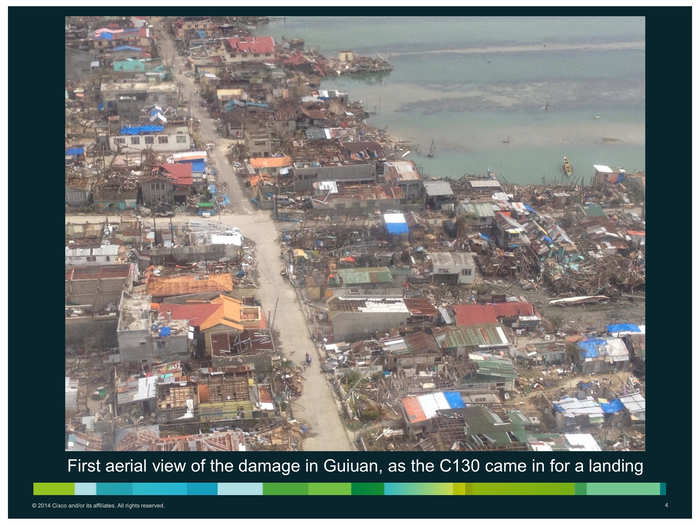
[{"x": 515, "y": 112}]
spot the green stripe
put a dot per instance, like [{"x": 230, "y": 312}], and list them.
[
  {"x": 330, "y": 489},
  {"x": 522, "y": 489},
  {"x": 623, "y": 489},
  {"x": 54, "y": 489},
  {"x": 368, "y": 489},
  {"x": 285, "y": 489}
]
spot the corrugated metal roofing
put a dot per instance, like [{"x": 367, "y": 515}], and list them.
[
  {"x": 371, "y": 275},
  {"x": 437, "y": 188},
  {"x": 465, "y": 336},
  {"x": 189, "y": 284}
]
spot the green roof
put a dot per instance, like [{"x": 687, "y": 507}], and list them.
[
  {"x": 477, "y": 209},
  {"x": 205, "y": 205},
  {"x": 490, "y": 428},
  {"x": 374, "y": 275},
  {"x": 469, "y": 336},
  {"x": 496, "y": 368},
  {"x": 594, "y": 210}
]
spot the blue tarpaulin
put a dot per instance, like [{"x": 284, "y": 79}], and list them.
[
  {"x": 397, "y": 228},
  {"x": 75, "y": 151},
  {"x": 454, "y": 399},
  {"x": 546, "y": 239},
  {"x": 201, "y": 34},
  {"x": 127, "y": 48},
  {"x": 485, "y": 236},
  {"x": 137, "y": 130},
  {"x": 529, "y": 208},
  {"x": 611, "y": 408},
  {"x": 164, "y": 331},
  {"x": 624, "y": 327},
  {"x": 100, "y": 106},
  {"x": 199, "y": 166},
  {"x": 212, "y": 189},
  {"x": 589, "y": 347},
  {"x": 105, "y": 36}
]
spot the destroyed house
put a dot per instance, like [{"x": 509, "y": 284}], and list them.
[
  {"x": 362, "y": 151},
  {"x": 128, "y": 99},
  {"x": 107, "y": 253},
  {"x": 147, "y": 439},
  {"x": 176, "y": 402},
  {"x": 417, "y": 350},
  {"x": 145, "y": 336},
  {"x": 304, "y": 177},
  {"x": 250, "y": 49},
  {"x": 421, "y": 310},
  {"x": 357, "y": 317},
  {"x": 358, "y": 279},
  {"x": 635, "y": 408},
  {"x": 574, "y": 413},
  {"x": 563, "y": 442},
  {"x": 94, "y": 288},
  {"x": 225, "y": 398},
  {"x": 602, "y": 354},
  {"x": 477, "y": 215},
  {"x": 489, "y": 373},
  {"x": 438, "y": 194},
  {"x": 232, "y": 330},
  {"x": 510, "y": 234},
  {"x": 419, "y": 411},
  {"x": 484, "y": 429},
  {"x": 459, "y": 341},
  {"x": 403, "y": 173},
  {"x": 484, "y": 186},
  {"x": 169, "y": 184}
]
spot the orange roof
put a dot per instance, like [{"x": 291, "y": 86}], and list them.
[
  {"x": 271, "y": 162},
  {"x": 413, "y": 409},
  {"x": 234, "y": 314},
  {"x": 189, "y": 284}
]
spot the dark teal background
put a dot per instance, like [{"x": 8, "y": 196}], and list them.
[{"x": 35, "y": 309}]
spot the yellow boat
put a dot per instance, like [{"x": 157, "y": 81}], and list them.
[{"x": 566, "y": 167}]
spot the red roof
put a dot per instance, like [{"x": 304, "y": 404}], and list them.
[
  {"x": 180, "y": 173},
  {"x": 512, "y": 309},
  {"x": 474, "y": 314},
  {"x": 262, "y": 45},
  {"x": 478, "y": 314},
  {"x": 195, "y": 313},
  {"x": 420, "y": 306}
]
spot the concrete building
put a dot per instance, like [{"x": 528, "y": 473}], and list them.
[
  {"x": 478, "y": 215},
  {"x": 404, "y": 174},
  {"x": 357, "y": 317},
  {"x": 453, "y": 267},
  {"x": 304, "y": 177},
  {"x": 144, "y": 335},
  {"x": 167, "y": 139},
  {"x": 128, "y": 99}
]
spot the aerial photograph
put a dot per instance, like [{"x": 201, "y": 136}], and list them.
[{"x": 354, "y": 233}]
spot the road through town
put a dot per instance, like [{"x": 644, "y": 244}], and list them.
[{"x": 316, "y": 407}]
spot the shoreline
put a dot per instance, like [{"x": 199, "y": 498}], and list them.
[{"x": 526, "y": 48}]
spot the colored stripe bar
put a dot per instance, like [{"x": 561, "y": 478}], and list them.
[{"x": 350, "y": 489}]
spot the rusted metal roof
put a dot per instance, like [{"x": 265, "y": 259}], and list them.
[{"x": 189, "y": 284}]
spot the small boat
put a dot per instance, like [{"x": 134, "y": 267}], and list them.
[
  {"x": 566, "y": 167},
  {"x": 431, "y": 153}
]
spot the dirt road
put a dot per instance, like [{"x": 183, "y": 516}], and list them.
[{"x": 316, "y": 407}]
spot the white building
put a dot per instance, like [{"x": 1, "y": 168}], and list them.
[{"x": 172, "y": 139}]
